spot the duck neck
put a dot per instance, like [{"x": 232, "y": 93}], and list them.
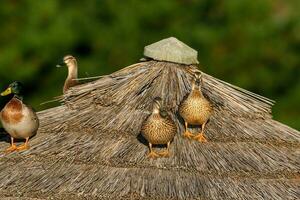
[
  {"x": 197, "y": 89},
  {"x": 72, "y": 70},
  {"x": 18, "y": 96},
  {"x": 72, "y": 75}
]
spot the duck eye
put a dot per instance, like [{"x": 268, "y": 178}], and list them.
[
  {"x": 13, "y": 85},
  {"x": 163, "y": 113}
]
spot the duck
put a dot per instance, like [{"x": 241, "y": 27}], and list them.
[
  {"x": 18, "y": 119},
  {"x": 158, "y": 128},
  {"x": 195, "y": 109},
  {"x": 71, "y": 80}
]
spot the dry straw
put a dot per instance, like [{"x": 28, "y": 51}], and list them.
[{"x": 90, "y": 146}]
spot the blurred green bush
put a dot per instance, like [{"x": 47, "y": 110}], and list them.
[{"x": 254, "y": 44}]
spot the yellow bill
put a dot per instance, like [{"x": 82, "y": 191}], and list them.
[{"x": 6, "y": 92}]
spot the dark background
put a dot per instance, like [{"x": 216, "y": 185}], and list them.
[{"x": 254, "y": 44}]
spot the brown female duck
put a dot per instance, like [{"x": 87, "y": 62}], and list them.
[
  {"x": 195, "y": 109},
  {"x": 71, "y": 63},
  {"x": 158, "y": 128},
  {"x": 18, "y": 119}
]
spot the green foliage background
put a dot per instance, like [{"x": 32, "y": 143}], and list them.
[{"x": 254, "y": 44}]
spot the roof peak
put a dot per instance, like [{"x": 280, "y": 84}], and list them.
[{"x": 172, "y": 50}]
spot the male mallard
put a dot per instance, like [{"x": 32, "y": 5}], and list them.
[
  {"x": 71, "y": 63},
  {"x": 18, "y": 119},
  {"x": 158, "y": 128},
  {"x": 195, "y": 109}
]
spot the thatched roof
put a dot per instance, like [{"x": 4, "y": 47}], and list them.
[{"x": 90, "y": 146}]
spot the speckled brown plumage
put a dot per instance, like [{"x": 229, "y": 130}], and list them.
[
  {"x": 196, "y": 110},
  {"x": 158, "y": 128}
]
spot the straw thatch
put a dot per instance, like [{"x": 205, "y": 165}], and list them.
[{"x": 90, "y": 147}]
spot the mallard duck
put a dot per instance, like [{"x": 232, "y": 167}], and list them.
[
  {"x": 158, "y": 128},
  {"x": 195, "y": 109},
  {"x": 18, "y": 119},
  {"x": 71, "y": 63}
]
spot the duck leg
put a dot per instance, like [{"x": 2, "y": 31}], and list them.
[
  {"x": 152, "y": 154},
  {"x": 25, "y": 146},
  {"x": 187, "y": 133},
  {"x": 166, "y": 153},
  {"x": 12, "y": 147},
  {"x": 200, "y": 137}
]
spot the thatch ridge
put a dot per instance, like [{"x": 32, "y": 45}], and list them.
[{"x": 90, "y": 146}]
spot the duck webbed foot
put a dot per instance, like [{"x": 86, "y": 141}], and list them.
[
  {"x": 165, "y": 153},
  {"x": 10, "y": 149},
  {"x": 188, "y": 134},
  {"x": 24, "y": 146},
  {"x": 200, "y": 138},
  {"x": 152, "y": 154}
]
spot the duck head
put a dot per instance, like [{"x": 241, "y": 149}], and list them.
[
  {"x": 68, "y": 61},
  {"x": 157, "y": 107},
  {"x": 197, "y": 81},
  {"x": 15, "y": 88}
]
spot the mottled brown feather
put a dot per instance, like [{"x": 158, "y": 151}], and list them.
[
  {"x": 158, "y": 130},
  {"x": 195, "y": 109}
]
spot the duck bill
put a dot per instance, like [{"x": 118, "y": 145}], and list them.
[
  {"x": 61, "y": 65},
  {"x": 6, "y": 92}
]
